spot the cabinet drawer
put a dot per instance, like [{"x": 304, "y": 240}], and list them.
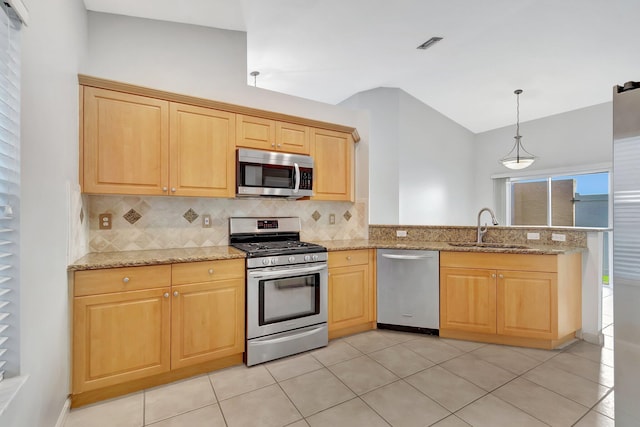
[
  {"x": 108, "y": 280},
  {"x": 206, "y": 271},
  {"x": 346, "y": 258}
]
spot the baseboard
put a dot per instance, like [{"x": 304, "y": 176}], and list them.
[
  {"x": 597, "y": 339},
  {"x": 62, "y": 418}
]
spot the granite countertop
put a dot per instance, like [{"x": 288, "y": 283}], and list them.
[
  {"x": 96, "y": 260},
  {"x": 341, "y": 245}
]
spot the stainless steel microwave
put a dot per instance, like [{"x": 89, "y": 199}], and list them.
[{"x": 268, "y": 173}]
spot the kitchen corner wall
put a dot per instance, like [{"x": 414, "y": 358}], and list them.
[{"x": 140, "y": 223}]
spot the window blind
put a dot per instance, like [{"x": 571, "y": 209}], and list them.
[{"x": 9, "y": 188}]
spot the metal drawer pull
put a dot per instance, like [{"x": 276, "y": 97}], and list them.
[
  {"x": 164, "y": 188},
  {"x": 125, "y": 280},
  {"x": 348, "y": 258},
  {"x": 493, "y": 276},
  {"x": 501, "y": 276},
  {"x": 211, "y": 271},
  {"x": 166, "y": 295},
  {"x": 175, "y": 293}
]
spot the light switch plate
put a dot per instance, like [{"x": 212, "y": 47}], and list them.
[{"x": 206, "y": 221}]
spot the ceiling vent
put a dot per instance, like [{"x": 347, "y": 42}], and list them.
[{"x": 429, "y": 43}]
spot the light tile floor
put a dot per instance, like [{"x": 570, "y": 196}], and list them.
[{"x": 383, "y": 378}]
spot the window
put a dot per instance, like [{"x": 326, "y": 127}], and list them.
[
  {"x": 9, "y": 188},
  {"x": 580, "y": 200}
]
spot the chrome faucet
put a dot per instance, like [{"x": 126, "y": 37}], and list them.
[{"x": 481, "y": 230}]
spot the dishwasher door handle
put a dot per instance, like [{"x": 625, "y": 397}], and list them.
[{"x": 392, "y": 256}]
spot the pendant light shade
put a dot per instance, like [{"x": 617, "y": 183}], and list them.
[{"x": 518, "y": 157}]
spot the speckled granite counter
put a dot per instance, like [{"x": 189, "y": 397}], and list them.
[
  {"x": 97, "y": 260},
  {"x": 342, "y": 245}
]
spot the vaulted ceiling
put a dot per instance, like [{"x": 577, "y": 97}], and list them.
[{"x": 564, "y": 54}]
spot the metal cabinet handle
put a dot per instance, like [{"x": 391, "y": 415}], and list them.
[
  {"x": 211, "y": 271},
  {"x": 493, "y": 275},
  {"x": 501, "y": 276},
  {"x": 164, "y": 188},
  {"x": 348, "y": 258},
  {"x": 279, "y": 145},
  {"x": 173, "y": 189},
  {"x": 125, "y": 280},
  {"x": 273, "y": 144},
  {"x": 175, "y": 293},
  {"x": 166, "y": 295}
]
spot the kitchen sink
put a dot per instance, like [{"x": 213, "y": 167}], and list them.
[{"x": 489, "y": 245}]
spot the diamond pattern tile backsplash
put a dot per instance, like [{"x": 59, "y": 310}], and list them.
[{"x": 171, "y": 222}]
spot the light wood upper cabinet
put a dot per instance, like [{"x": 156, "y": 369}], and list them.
[
  {"x": 292, "y": 138},
  {"x": 517, "y": 299},
  {"x": 351, "y": 305},
  {"x": 333, "y": 174},
  {"x": 271, "y": 135},
  {"x": 255, "y": 132},
  {"x": 126, "y": 143},
  {"x": 208, "y": 312},
  {"x": 202, "y": 161}
]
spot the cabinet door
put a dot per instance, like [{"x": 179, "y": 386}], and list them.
[
  {"x": 207, "y": 321},
  {"x": 527, "y": 304},
  {"x": 126, "y": 143},
  {"x": 333, "y": 165},
  {"x": 292, "y": 138},
  {"x": 120, "y": 337},
  {"x": 202, "y": 159},
  {"x": 350, "y": 297},
  {"x": 255, "y": 132},
  {"x": 468, "y": 300}
]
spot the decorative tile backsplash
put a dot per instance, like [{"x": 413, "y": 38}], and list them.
[{"x": 176, "y": 222}]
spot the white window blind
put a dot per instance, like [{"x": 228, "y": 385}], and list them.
[{"x": 9, "y": 188}]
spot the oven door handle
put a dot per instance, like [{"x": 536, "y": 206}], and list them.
[
  {"x": 285, "y": 273},
  {"x": 293, "y": 336}
]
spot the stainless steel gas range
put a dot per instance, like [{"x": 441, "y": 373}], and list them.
[{"x": 287, "y": 283}]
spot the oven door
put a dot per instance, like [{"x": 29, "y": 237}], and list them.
[{"x": 284, "y": 298}]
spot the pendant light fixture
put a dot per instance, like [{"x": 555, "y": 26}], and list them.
[{"x": 518, "y": 157}]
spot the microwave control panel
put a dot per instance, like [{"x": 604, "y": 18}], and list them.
[{"x": 306, "y": 178}]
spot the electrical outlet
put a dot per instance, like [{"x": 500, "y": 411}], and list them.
[
  {"x": 332, "y": 218},
  {"x": 558, "y": 237},
  {"x": 401, "y": 233},
  {"x": 206, "y": 221},
  {"x": 533, "y": 236},
  {"x": 104, "y": 220}
]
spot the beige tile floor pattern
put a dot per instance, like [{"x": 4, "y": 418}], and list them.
[{"x": 385, "y": 378}]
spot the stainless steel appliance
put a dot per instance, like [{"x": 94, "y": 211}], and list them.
[
  {"x": 287, "y": 288},
  {"x": 266, "y": 173},
  {"x": 626, "y": 250},
  {"x": 408, "y": 290}
]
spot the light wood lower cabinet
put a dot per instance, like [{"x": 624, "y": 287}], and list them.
[
  {"x": 207, "y": 316},
  {"x": 352, "y": 291},
  {"x": 134, "y": 328},
  {"x": 529, "y": 300}
]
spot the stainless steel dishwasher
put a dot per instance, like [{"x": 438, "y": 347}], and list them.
[{"x": 408, "y": 290}]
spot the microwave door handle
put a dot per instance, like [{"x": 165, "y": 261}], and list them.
[{"x": 297, "y": 177}]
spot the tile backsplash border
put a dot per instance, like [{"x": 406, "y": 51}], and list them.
[{"x": 148, "y": 222}]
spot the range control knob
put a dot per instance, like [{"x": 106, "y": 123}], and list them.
[
  {"x": 307, "y": 257},
  {"x": 315, "y": 257},
  {"x": 292, "y": 259},
  {"x": 265, "y": 261},
  {"x": 274, "y": 261}
]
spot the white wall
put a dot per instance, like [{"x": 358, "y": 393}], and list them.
[
  {"x": 421, "y": 166},
  {"x": 573, "y": 139},
  {"x": 52, "y": 46},
  {"x": 436, "y": 167}
]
